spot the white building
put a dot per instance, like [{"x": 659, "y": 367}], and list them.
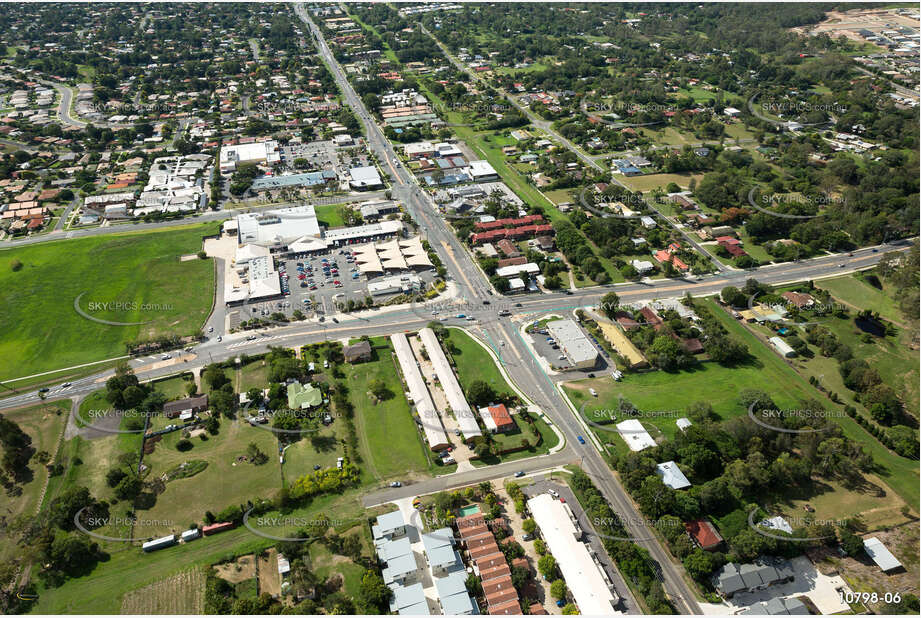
[
  {"x": 466, "y": 418},
  {"x": 782, "y": 347},
  {"x": 590, "y": 586},
  {"x": 260, "y": 153},
  {"x": 363, "y": 178},
  {"x": 579, "y": 350},
  {"x": 419, "y": 394},
  {"x": 277, "y": 227},
  {"x": 481, "y": 171},
  {"x": 672, "y": 476},
  {"x": 635, "y": 435}
]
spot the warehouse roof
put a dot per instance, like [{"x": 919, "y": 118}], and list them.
[
  {"x": 589, "y": 585},
  {"x": 466, "y": 418}
]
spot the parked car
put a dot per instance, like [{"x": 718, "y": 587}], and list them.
[{"x": 396, "y": 484}]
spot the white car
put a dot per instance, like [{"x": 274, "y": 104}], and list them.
[{"x": 553, "y": 493}]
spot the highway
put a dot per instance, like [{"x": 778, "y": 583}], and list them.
[{"x": 501, "y": 334}]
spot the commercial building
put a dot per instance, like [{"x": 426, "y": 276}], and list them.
[
  {"x": 365, "y": 178},
  {"x": 419, "y": 394},
  {"x": 278, "y": 228},
  {"x": 362, "y": 233},
  {"x": 590, "y": 586},
  {"x": 481, "y": 171},
  {"x": 374, "y": 210},
  {"x": 577, "y": 348},
  {"x": 260, "y": 153},
  {"x": 466, "y": 418},
  {"x": 396, "y": 284},
  {"x": 305, "y": 179},
  {"x": 516, "y": 270},
  {"x": 394, "y": 255}
]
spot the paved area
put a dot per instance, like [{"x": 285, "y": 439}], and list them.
[{"x": 822, "y": 590}]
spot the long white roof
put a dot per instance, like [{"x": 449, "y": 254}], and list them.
[
  {"x": 583, "y": 576},
  {"x": 635, "y": 435},
  {"x": 431, "y": 423},
  {"x": 466, "y": 418}
]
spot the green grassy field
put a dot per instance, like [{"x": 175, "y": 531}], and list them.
[
  {"x": 44, "y": 424},
  {"x": 387, "y": 434},
  {"x": 329, "y": 216},
  {"x": 853, "y": 290},
  {"x": 648, "y": 182},
  {"x": 101, "y": 591},
  {"x": 225, "y": 482},
  {"x": 719, "y": 386},
  {"x": 143, "y": 268}
]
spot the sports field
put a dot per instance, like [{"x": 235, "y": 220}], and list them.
[{"x": 142, "y": 272}]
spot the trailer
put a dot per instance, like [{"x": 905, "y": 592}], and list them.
[
  {"x": 190, "y": 535},
  {"x": 161, "y": 543},
  {"x": 218, "y": 527}
]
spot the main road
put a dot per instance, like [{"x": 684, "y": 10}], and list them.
[{"x": 501, "y": 333}]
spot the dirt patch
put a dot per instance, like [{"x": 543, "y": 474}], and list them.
[
  {"x": 183, "y": 593},
  {"x": 269, "y": 579},
  {"x": 862, "y": 573},
  {"x": 241, "y": 569}
]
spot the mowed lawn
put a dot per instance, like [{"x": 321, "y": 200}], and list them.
[
  {"x": 852, "y": 290},
  {"x": 43, "y": 424},
  {"x": 225, "y": 482},
  {"x": 128, "y": 568},
  {"x": 387, "y": 434},
  {"x": 173, "y": 296}
]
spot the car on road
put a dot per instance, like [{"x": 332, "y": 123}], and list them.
[
  {"x": 568, "y": 292},
  {"x": 460, "y": 316},
  {"x": 44, "y": 389},
  {"x": 166, "y": 357},
  {"x": 396, "y": 484},
  {"x": 580, "y": 439},
  {"x": 519, "y": 474},
  {"x": 210, "y": 329},
  {"x": 219, "y": 338}
]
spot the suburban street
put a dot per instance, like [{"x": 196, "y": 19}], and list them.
[{"x": 502, "y": 335}]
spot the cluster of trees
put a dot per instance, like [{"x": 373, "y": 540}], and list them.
[
  {"x": 733, "y": 466},
  {"x": 632, "y": 560},
  {"x": 17, "y": 451}
]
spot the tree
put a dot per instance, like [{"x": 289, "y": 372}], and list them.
[
  {"x": 570, "y": 610},
  {"x": 610, "y": 303},
  {"x": 850, "y": 542},
  {"x": 558, "y": 589},
  {"x": 700, "y": 564},
  {"x": 255, "y": 455},
  {"x": 546, "y": 565},
  {"x": 379, "y": 389},
  {"x": 733, "y": 297},
  {"x": 529, "y": 526},
  {"x": 480, "y": 393},
  {"x": 128, "y": 488},
  {"x": 373, "y": 594}
]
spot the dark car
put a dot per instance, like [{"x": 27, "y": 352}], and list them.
[
  {"x": 580, "y": 439},
  {"x": 568, "y": 292}
]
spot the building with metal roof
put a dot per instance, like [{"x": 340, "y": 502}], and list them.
[
  {"x": 419, "y": 394},
  {"x": 466, "y": 418},
  {"x": 590, "y": 586},
  {"x": 409, "y": 600},
  {"x": 881, "y": 555},
  {"x": 577, "y": 347},
  {"x": 672, "y": 475}
]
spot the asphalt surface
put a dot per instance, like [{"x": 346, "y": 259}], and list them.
[{"x": 501, "y": 334}]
